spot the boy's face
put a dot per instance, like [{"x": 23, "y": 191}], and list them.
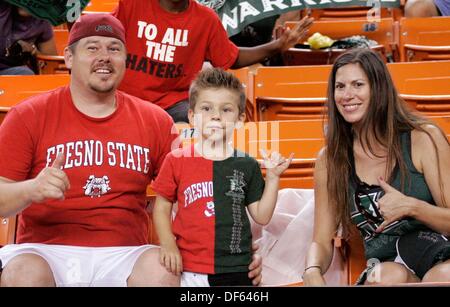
[{"x": 216, "y": 114}]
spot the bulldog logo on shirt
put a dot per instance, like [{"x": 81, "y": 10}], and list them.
[{"x": 96, "y": 186}]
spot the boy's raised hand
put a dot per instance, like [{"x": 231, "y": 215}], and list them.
[
  {"x": 170, "y": 257},
  {"x": 276, "y": 164}
]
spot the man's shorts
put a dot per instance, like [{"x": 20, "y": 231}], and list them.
[{"x": 74, "y": 266}]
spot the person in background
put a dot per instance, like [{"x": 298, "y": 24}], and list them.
[
  {"x": 427, "y": 8},
  {"x": 169, "y": 40},
  {"x": 22, "y": 37}
]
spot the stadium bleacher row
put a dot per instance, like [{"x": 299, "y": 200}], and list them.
[{"x": 285, "y": 93}]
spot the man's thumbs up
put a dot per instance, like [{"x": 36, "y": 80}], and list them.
[{"x": 59, "y": 161}]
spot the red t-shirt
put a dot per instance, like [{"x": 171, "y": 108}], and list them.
[
  {"x": 109, "y": 163},
  {"x": 167, "y": 50},
  {"x": 211, "y": 226}
]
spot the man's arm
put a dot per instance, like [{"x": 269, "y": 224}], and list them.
[
  {"x": 51, "y": 183},
  {"x": 249, "y": 56}
]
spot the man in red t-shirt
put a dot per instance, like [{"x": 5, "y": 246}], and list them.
[{"x": 169, "y": 40}]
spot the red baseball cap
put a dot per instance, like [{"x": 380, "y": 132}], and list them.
[{"x": 96, "y": 25}]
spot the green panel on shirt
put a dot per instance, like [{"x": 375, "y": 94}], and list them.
[{"x": 238, "y": 182}]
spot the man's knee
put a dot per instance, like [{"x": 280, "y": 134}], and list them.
[
  {"x": 420, "y": 8},
  {"x": 27, "y": 270},
  {"x": 147, "y": 271},
  {"x": 438, "y": 273}
]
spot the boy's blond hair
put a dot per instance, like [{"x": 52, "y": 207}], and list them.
[{"x": 216, "y": 78}]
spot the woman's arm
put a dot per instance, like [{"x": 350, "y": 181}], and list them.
[
  {"x": 394, "y": 205},
  {"x": 320, "y": 254}
]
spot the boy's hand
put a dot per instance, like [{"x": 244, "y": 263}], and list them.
[
  {"x": 276, "y": 164},
  {"x": 170, "y": 257}
]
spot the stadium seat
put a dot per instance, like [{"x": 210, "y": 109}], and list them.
[
  {"x": 7, "y": 230},
  {"x": 346, "y": 13},
  {"x": 246, "y": 78},
  {"x": 287, "y": 93},
  {"x": 430, "y": 96},
  {"x": 403, "y": 71},
  {"x": 14, "y": 89},
  {"x": 100, "y": 6},
  {"x": 382, "y": 32},
  {"x": 424, "y": 39},
  {"x": 3, "y": 111}
]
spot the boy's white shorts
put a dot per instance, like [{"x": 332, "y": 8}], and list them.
[
  {"x": 189, "y": 279},
  {"x": 82, "y": 266}
]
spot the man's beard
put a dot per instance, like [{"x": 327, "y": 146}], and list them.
[{"x": 102, "y": 90}]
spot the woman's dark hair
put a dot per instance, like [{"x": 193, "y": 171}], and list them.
[{"x": 386, "y": 118}]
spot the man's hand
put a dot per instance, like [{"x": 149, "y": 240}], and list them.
[
  {"x": 255, "y": 267},
  {"x": 290, "y": 37},
  {"x": 51, "y": 183}
]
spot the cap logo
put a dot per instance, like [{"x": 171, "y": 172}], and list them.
[{"x": 106, "y": 28}]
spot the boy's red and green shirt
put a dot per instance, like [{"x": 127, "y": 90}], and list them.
[{"x": 211, "y": 226}]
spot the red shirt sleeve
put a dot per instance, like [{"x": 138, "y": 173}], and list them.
[
  {"x": 168, "y": 140},
  {"x": 120, "y": 12},
  {"x": 166, "y": 184},
  {"x": 221, "y": 51}
]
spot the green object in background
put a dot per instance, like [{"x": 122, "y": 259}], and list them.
[
  {"x": 55, "y": 11},
  {"x": 236, "y": 14}
]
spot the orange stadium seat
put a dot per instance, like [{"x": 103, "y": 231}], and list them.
[
  {"x": 100, "y": 6},
  {"x": 431, "y": 96},
  {"x": 286, "y": 93},
  {"x": 14, "y": 89},
  {"x": 403, "y": 71},
  {"x": 424, "y": 39},
  {"x": 346, "y": 13},
  {"x": 61, "y": 40},
  {"x": 7, "y": 230},
  {"x": 382, "y": 32},
  {"x": 3, "y": 111},
  {"x": 283, "y": 93},
  {"x": 246, "y": 78}
]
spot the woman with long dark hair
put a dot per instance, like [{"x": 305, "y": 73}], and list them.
[{"x": 385, "y": 169}]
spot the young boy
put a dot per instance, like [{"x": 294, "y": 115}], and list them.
[{"x": 213, "y": 184}]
